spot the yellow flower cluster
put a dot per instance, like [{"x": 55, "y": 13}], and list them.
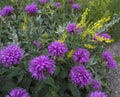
[
  {"x": 103, "y": 39},
  {"x": 63, "y": 37},
  {"x": 97, "y": 25},
  {"x": 70, "y": 53},
  {"x": 83, "y": 23},
  {"x": 89, "y": 46}
]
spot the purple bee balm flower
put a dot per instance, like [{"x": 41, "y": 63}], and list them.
[
  {"x": 11, "y": 55},
  {"x": 58, "y": 5},
  {"x": 112, "y": 64},
  {"x": 96, "y": 84},
  {"x": 18, "y": 92},
  {"x": 76, "y": 6},
  {"x": 57, "y": 49},
  {"x": 97, "y": 94},
  {"x": 80, "y": 76},
  {"x": 81, "y": 55},
  {"x": 31, "y": 8},
  {"x": 39, "y": 65},
  {"x": 7, "y": 10},
  {"x": 107, "y": 55},
  {"x": 105, "y": 35},
  {"x": 72, "y": 28},
  {"x": 43, "y": 1}
]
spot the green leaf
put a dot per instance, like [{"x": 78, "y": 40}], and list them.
[
  {"x": 3, "y": 70},
  {"x": 74, "y": 90}
]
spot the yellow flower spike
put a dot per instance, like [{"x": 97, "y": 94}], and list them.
[
  {"x": 63, "y": 37},
  {"x": 23, "y": 27},
  {"x": 89, "y": 46},
  {"x": 12, "y": 0},
  {"x": 83, "y": 23},
  {"x": 25, "y": 19},
  {"x": 70, "y": 53}
]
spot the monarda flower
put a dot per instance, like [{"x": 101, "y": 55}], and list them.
[
  {"x": 11, "y": 55},
  {"x": 81, "y": 55},
  {"x": 57, "y": 49},
  {"x": 80, "y": 76},
  {"x": 76, "y": 6},
  {"x": 107, "y": 56},
  {"x": 43, "y": 1},
  {"x": 72, "y": 28},
  {"x": 58, "y": 5},
  {"x": 31, "y": 8},
  {"x": 18, "y": 92},
  {"x": 97, "y": 94},
  {"x": 40, "y": 65},
  {"x": 70, "y": 1},
  {"x": 96, "y": 84},
  {"x": 7, "y": 10}
]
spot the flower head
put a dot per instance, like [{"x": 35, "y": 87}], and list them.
[
  {"x": 80, "y": 76},
  {"x": 36, "y": 43},
  {"x": 11, "y": 55},
  {"x": 96, "y": 84},
  {"x": 81, "y": 55},
  {"x": 72, "y": 28},
  {"x": 18, "y": 92},
  {"x": 43, "y": 1},
  {"x": 97, "y": 94},
  {"x": 112, "y": 64},
  {"x": 57, "y": 49},
  {"x": 76, "y": 6},
  {"x": 7, "y": 10},
  {"x": 39, "y": 65},
  {"x": 107, "y": 55},
  {"x": 70, "y": 1},
  {"x": 58, "y": 5},
  {"x": 31, "y": 8}
]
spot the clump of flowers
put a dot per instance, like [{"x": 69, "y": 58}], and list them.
[
  {"x": 31, "y": 8},
  {"x": 103, "y": 37},
  {"x": 97, "y": 94},
  {"x": 39, "y": 65},
  {"x": 58, "y": 5},
  {"x": 111, "y": 63},
  {"x": 57, "y": 49},
  {"x": 81, "y": 55},
  {"x": 43, "y": 1},
  {"x": 18, "y": 92},
  {"x": 96, "y": 84},
  {"x": 72, "y": 28},
  {"x": 7, "y": 10},
  {"x": 80, "y": 76},
  {"x": 11, "y": 55},
  {"x": 76, "y": 6}
]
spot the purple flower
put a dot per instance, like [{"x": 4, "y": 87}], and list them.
[
  {"x": 81, "y": 55},
  {"x": 43, "y": 1},
  {"x": 39, "y": 65},
  {"x": 112, "y": 64},
  {"x": 107, "y": 55},
  {"x": 58, "y": 5},
  {"x": 1, "y": 13},
  {"x": 31, "y": 8},
  {"x": 11, "y": 55},
  {"x": 72, "y": 28},
  {"x": 7, "y": 10},
  {"x": 80, "y": 76},
  {"x": 57, "y": 49},
  {"x": 18, "y": 92},
  {"x": 105, "y": 35},
  {"x": 96, "y": 84},
  {"x": 76, "y": 6},
  {"x": 97, "y": 94}
]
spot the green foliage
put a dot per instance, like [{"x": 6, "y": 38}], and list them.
[{"x": 48, "y": 25}]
